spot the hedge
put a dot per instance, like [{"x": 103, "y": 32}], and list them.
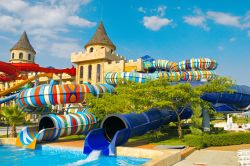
[{"x": 223, "y": 139}]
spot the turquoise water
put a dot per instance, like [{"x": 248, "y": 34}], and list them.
[{"x": 46, "y": 156}]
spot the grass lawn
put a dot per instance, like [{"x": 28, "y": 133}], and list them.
[
  {"x": 169, "y": 138},
  {"x": 73, "y": 137},
  {"x": 171, "y": 141}
]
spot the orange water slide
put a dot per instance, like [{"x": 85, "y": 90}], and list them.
[{"x": 19, "y": 85}]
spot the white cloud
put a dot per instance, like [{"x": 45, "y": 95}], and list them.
[
  {"x": 81, "y": 22},
  {"x": 232, "y": 39},
  {"x": 46, "y": 22},
  {"x": 47, "y": 17},
  {"x": 9, "y": 24},
  {"x": 199, "y": 21},
  {"x": 224, "y": 18},
  {"x": 220, "y": 48},
  {"x": 13, "y": 5},
  {"x": 161, "y": 10},
  {"x": 63, "y": 50},
  {"x": 155, "y": 23},
  {"x": 142, "y": 9},
  {"x": 227, "y": 19}
]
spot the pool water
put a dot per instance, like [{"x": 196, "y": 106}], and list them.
[{"x": 47, "y": 156}]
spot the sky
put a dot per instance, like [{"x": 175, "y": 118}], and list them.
[{"x": 174, "y": 30}]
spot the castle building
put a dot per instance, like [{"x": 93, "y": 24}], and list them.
[
  {"x": 99, "y": 58},
  {"x": 22, "y": 51}
]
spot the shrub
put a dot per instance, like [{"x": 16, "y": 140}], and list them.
[{"x": 223, "y": 139}]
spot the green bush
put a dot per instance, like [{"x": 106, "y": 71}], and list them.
[{"x": 223, "y": 139}]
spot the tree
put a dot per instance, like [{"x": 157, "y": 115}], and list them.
[
  {"x": 218, "y": 85},
  {"x": 160, "y": 93},
  {"x": 13, "y": 116}
]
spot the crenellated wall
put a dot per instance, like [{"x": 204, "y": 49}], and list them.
[{"x": 132, "y": 65}]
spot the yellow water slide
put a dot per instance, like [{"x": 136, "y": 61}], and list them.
[{"x": 19, "y": 85}]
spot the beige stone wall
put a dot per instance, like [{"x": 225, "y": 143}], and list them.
[
  {"x": 134, "y": 65},
  {"x": 16, "y": 59},
  {"x": 103, "y": 55},
  {"x": 98, "y": 54}
]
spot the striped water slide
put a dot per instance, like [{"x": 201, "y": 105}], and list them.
[
  {"x": 116, "y": 77},
  {"x": 185, "y": 65},
  {"x": 51, "y": 127},
  {"x": 46, "y": 95}
]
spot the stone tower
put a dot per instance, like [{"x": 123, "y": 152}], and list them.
[
  {"x": 22, "y": 51},
  {"x": 100, "y": 40},
  {"x": 97, "y": 59}
]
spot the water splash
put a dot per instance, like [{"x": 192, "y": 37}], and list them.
[{"x": 94, "y": 155}]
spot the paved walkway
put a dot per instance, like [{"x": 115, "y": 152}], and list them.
[{"x": 210, "y": 158}]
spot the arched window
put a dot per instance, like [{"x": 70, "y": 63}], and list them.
[
  {"x": 90, "y": 72},
  {"x": 29, "y": 57},
  {"x": 111, "y": 51},
  {"x": 98, "y": 73},
  {"x": 81, "y": 72},
  {"x": 91, "y": 49},
  {"x": 20, "y": 55},
  {"x": 13, "y": 56}
]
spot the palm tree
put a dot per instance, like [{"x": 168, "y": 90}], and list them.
[{"x": 13, "y": 116}]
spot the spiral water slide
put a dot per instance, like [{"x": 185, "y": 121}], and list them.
[
  {"x": 52, "y": 127},
  {"x": 185, "y": 65}
]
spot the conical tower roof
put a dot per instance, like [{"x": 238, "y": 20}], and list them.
[
  {"x": 100, "y": 37},
  {"x": 23, "y": 44}
]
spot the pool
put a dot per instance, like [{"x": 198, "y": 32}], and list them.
[{"x": 47, "y": 156}]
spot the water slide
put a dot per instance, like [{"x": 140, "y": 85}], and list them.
[
  {"x": 116, "y": 129},
  {"x": 151, "y": 64},
  {"x": 238, "y": 100},
  {"x": 13, "y": 71},
  {"x": 22, "y": 83},
  {"x": 8, "y": 98},
  {"x": 51, "y": 127},
  {"x": 116, "y": 77}
]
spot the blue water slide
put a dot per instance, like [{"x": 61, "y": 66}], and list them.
[
  {"x": 116, "y": 129},
  {"x": 8, "y": 98},
  {"x": 238, "y": 99}
]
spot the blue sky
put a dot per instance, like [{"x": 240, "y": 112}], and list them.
[{"x": 173, "y": 30}]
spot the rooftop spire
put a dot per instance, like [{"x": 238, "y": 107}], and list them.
[
  {"x": 23, "y": 44},
  {"x": 100, "y": 37}
]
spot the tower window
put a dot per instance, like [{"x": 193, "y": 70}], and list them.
[
  {"x": 81, "y": 72},
  {"x": 29, "y": 57},
  {"x": 90, "y": 72},
  {"x": 21, "y": 55},
  {"x": 91, "y": 49},
  {"x": 98, "y": 73},
  {"x": 13, "y": 56},
  {"x": 111, "y": 51}
]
